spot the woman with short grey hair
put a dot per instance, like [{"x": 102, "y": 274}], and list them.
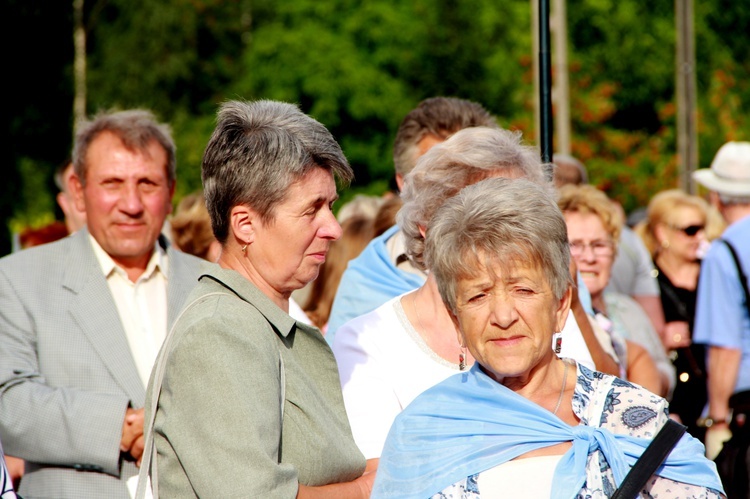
[
  {"x": 471, "y": 236},
  {"x": 390, "y": 355},
  {"x": 471, "y": 154},
  {"x": 244, "y": 400},
  {"x": 522, "y": 422}
]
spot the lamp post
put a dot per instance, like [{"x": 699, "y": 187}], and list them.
[{"x": 543, "y": 80}]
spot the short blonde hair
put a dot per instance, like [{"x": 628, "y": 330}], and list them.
[{"x": 588, "y": 199}]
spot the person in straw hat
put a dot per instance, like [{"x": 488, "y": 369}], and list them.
[{"x": 722, "y": 319}]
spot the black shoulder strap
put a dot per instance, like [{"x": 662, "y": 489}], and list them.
[
  {"x": 740, "y": 271},
  {"x": 654, "y": 455}
]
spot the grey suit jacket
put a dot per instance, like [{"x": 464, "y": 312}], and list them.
[{"x": 66, "y": 372}]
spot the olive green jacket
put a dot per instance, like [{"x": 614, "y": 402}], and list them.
[{"x": 234, "y": 362}]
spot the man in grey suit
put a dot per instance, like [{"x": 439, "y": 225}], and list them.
[{"x": 82, "y": 319}]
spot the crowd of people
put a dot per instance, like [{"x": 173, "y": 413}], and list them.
[{"x": 487, "y": 330}]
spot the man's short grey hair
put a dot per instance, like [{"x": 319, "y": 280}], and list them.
[
  {"x": 732, "y": 199},
  {"x": 469, "y": 156},
  {"x": 438, "y": 116},
  {"x": 497, "y": 224},
  {"x": 136, "y": 128},
  {"x": 257, "y": 150}
]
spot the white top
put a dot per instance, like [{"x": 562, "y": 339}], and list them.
[
  {"x": 530, "y": 478},
  {"x": 384, "y": 364},
  {"x": 142, "y": 305},
  {"x": 297, "y": 313}
]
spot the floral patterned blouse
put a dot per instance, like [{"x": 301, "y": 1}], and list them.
[{"x": 605, "y": 401}]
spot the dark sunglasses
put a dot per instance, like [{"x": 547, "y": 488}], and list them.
[{"x": 690, "y": 230}]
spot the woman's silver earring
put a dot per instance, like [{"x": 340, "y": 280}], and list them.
[
  {"x": 558, "y": 342},
  {"x": 462, "y": 358}
]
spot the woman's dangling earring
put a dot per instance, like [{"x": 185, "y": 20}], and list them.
[
  {"x": 558, "y": 342},
  {"x": 244, "y": 247},
  {"x": 462, "y": 358}
]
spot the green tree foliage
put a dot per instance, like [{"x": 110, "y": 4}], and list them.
[
  {"x": 168, "y": 56},
  {"x": 359, "y": 67}
]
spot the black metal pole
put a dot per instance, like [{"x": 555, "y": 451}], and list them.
[{"x": 545, "y": 85}]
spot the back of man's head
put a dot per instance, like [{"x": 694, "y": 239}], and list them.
[
  {"x": 432, "y": 121},
  {"x": 568, "y": 170}
]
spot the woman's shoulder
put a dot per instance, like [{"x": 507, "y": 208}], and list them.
[
  {"x": 606, "y": 401},
  {"x": 379, "y": 325}
]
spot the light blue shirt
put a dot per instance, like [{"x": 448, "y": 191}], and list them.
[{"x": 721, "y": 316}]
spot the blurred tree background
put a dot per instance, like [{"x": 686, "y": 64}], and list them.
[{"x": 359, "y": 67}]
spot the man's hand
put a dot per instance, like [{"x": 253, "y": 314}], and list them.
[
  {"x": 715, "y": 438},
  {"x": 132, "y": 433},
  {"x": 676, "y": 335}
]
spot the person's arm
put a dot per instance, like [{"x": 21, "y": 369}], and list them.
[
  {"x": 676, "y": 335},
  {"x": 603, "y": 361},
  {"x": 132, "y": 440},
  {"x": 15, "y": 468},
  {"x": 56, "y": 425},
  {"x": 723, "y": 367},
  {"x": 719, "y": 316},
  {"x": 642, "y": 370},
  {"x": 356, "y": 489},
  {"x": 651, "y": 304}
]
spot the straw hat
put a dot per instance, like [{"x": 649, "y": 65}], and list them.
[{"x": 729, "y": 172}]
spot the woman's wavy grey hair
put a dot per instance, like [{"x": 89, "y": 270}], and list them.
[
  {"x": 257, "y": 151},
  {"x": 470, "y": 155},
  {"x": 496, "y": 224}
]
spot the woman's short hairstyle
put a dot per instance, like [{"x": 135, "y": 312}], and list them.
[
  {"x": 136, "y": 128},
  {"x": 588, "y": 199},
  {"x": 467, "y": 157},
  {"x": 438, "y": 116},
  {"x": 495, "y": 223},
  {"x": 257, "y": 151},
  {"x": 663, "y": 208},
  {"x": 191, "y": 226}
]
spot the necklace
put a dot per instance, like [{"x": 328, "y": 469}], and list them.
[{"x": 562, "y": 390}]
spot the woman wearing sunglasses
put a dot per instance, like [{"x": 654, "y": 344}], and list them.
[{"x": 676, "y": 231}]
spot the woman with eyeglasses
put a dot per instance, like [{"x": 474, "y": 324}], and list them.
[
  {"x": 675, "y": 231},
  {"x": 594, "y": 226}
]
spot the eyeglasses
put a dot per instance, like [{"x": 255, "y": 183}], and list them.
[
  {"x": 599, "y": 248},
  {"x": 690, "y": 230}
]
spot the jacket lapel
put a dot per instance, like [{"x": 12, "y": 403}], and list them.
[
  {"x": 94, "y": 309},
  {"x": 182, "y": 277}
]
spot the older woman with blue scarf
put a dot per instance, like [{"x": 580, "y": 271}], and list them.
[{"x": 522, "y": 422}]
